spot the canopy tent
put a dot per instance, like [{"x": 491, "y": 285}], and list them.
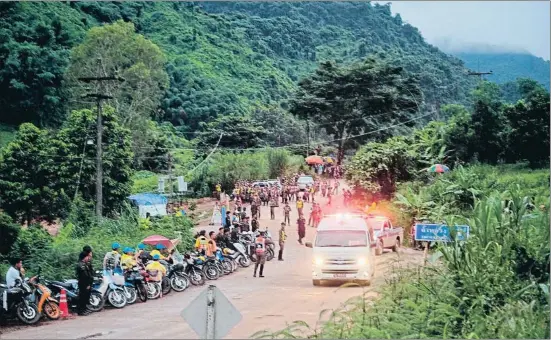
[
  {"x": 314, "y": 160},
  {"x": 152, "y": 204}
]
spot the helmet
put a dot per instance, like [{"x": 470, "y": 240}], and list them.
[
  {"x": 160, "y": 246},
  {"x": 126, "y": 250},
  {"x": 156, "y": 257},
  {"x": 130, "y": 250},
  {"x": 141, "y": 246},
  {"x": 115, "y": 245}
]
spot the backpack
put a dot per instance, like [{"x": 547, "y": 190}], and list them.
[{"x": 260, "y": 246}]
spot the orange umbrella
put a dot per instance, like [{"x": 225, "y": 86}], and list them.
[{"x": 314, "y": 160}]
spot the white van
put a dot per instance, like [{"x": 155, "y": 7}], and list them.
[{"x": 342, "y": 250}]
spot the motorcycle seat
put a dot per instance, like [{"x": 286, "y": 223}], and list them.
[{"x": 67, "y": 285}]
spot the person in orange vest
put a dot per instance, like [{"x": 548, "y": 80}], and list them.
[
  {"x": 300, "y": 206},
  {"x": 201, "y": 242},
  {"x": 260, "y": 250}
]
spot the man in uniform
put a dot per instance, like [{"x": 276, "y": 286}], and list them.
[{"x": 282, "y": 238}]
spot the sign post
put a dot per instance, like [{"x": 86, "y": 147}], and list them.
[
  {"x": 436, "y": 232},
  {"x": 211, "y": 315}
]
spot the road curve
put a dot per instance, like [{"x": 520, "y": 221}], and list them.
[{"x": 284, "y": 295}]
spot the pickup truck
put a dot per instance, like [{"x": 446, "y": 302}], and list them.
[{"x": 384, "y": 234}]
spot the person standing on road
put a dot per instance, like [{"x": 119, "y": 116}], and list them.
[
  {"x": 300, "y": 206},
  {"x": 272, "y": 208},
  {"x": 287, "y": 212},
  {"x": 301, "y": 222},
  {"x": 260, "y": 251},
  {"x": 85, "y": 277},
  {"x": 282, "y": 238},
  {"x": 336, "y": 185}
]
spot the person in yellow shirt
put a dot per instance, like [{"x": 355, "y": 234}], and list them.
[
  {"x": 201, "y": 242},
  {"x": 157, "y": 251},
  {"x": 155, "y": 269},
  {"x": 300, "y": 206},
  {"x": 127, "y": 259}
]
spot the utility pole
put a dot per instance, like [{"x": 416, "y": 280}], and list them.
[
  {"x": 99, "y": 129},
  {"x": 308, "y": 135},
  {"x": 479, "y": 74}
]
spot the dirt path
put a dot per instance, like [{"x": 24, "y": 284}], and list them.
[{"x": 286, "y": 294}]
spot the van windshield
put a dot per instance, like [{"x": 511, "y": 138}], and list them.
[{"x": 341, "y": 238}]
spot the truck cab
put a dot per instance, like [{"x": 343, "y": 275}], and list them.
[
  {"x": 342, "y": 251},
  {"x": 384, "y": 234}
]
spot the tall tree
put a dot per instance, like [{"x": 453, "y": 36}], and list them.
[
  {"x": 117, "y": 49},
  {"x": 240, "y": 132},
  {"x": 356, "y": 99},
  {"x": 26, "y": 180}
]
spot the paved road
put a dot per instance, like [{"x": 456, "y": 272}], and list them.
[{"x": 284, "y": 295}]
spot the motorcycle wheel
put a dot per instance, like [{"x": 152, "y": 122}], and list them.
[
  {"x": 166, "y": 285},
  {"x": 178, "y": 283},
  {"x": 234, "y": 265},
  {"x": 227, "y": 266},
  {"x": 51, "y": 310},
  {"x": 211, "y": 272},
  {"x": 97, "y": 302},
  {"x": 141, "y": 289},
  {"x": 270, "y": 254},
  {"x": 153, "y": 290},
  {"x": 244, "y": 261},
  {"x": 131, "y": 294},
  {"x": 197, "y": 278},
  {"x": 117, "y": 298},
  {"x": 28, "y": 313}
]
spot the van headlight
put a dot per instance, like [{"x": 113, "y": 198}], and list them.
[
  {"x": 362, "y": 261},
  {"x": 318, "y": 261}
]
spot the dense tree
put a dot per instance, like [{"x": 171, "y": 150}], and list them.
[
  {"x": 238, "y": 132},
  {"x": 8, "y": 233},
  {"x": 27, "y": 180},
  {"x": 116, "y": 49},
  {"x": 352, "y": 100},
  {"x": 528, "y": 120},
  {"x": 282, "y": 128},
  {"x": 77, "y": 172}
]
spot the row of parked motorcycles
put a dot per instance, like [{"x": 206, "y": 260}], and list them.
[{"x": 34, "y": 297}]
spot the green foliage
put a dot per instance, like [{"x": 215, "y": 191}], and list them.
[
  {"x": 362, "y": 97},
  {"x": 8, "y": 233},
  {"x": 221, "y": 58},
  {"x": 238, "y": 132},
  {"x": 144, "y": 181},
  {"x": 378, "y": 167},
  {"x": 57, "y": 256},
  {"x": 278, "y": 162},
  {"x": 27, "y": 181},
  {"x": 7, "y": 134},
  {"x": 116, "y": 49},
  {"x": 227, "y": 168},
  {"x": 77, "y": 173}
]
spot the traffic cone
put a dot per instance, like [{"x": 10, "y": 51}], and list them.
[{"x": 63, "y": 307}]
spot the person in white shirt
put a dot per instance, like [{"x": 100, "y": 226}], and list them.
[
  {"x": 12, "y": 276},
  {"x": 14, "y": 273}
]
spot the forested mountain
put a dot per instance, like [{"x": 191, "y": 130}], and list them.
[
  {"x": 222, "y": 58},
  {"x": 508, "y": 66}
]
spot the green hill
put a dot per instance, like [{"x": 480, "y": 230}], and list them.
[
  {"x": 223, "y": 58},
  {"x": 508, "y": 66}
]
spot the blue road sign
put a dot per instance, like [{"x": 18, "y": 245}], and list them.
[{"x": 439, "y": 232}]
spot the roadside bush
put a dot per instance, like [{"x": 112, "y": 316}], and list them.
[{"x": 278, "y": 162}]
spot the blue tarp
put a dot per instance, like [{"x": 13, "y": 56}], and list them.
[{"x": 148, "y": 199}]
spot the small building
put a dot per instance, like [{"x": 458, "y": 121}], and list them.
[{"x": 150, "y": 204}]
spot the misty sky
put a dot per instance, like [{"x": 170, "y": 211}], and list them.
[{"x": 517, "y": 25}]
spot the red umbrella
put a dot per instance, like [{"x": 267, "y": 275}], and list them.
[
  {"x": 314, "y": 160},
  {"x": 153, "y": 240}
]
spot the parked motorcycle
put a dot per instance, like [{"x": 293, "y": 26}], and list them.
[
  {"x": 113, "y": 293},
  {"x": 241, "y": 256},
  {"x": 42, "y": 297},
  {"x": 17, "y": 304},
  {"x": 135, "y": 278},
  {"x": 71, "y": 292},
  {"x": 193, "y": 269}
]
